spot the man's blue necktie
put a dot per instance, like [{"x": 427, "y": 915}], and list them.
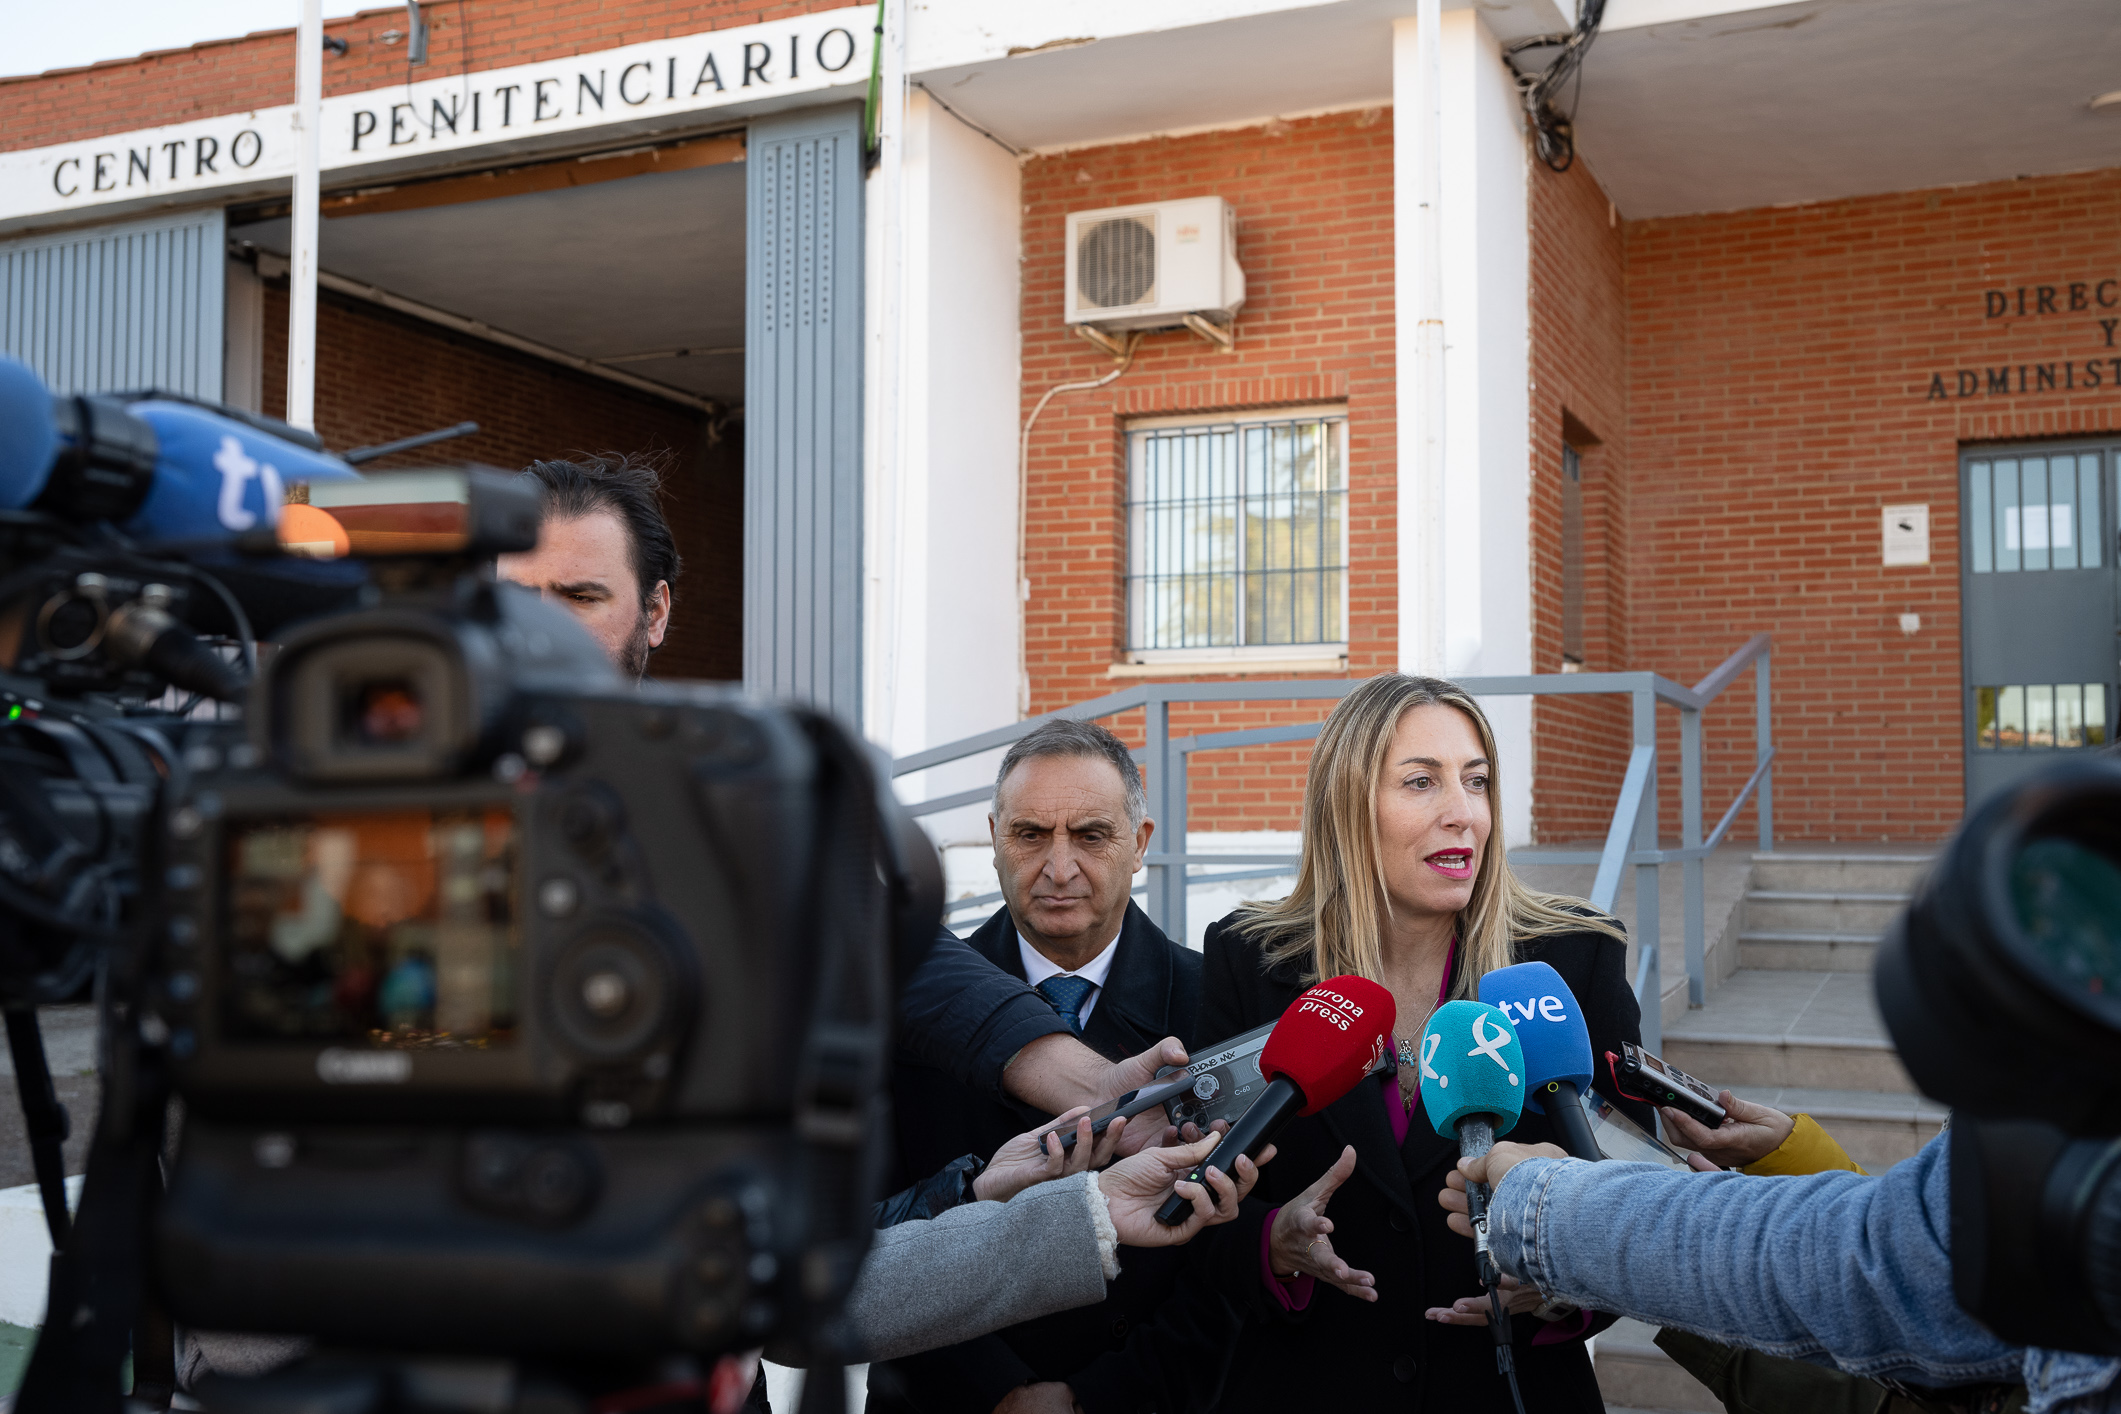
[{"x": 1068, "y": 995}]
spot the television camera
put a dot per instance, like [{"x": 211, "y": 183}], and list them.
[{"x": 514, "y": 1015}]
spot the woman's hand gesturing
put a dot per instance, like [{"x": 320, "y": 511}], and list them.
[{"x": 1302, "y": 1243}]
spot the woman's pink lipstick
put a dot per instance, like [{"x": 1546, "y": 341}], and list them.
[{"x": 1451, "y": 863}]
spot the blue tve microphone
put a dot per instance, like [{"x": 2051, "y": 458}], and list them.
[
  {"x": 28, "y": 440},
  {"x": 1473, "y": 1086},
  {"x": 1557, "y": 1047},
  {"x": 160, "y": 469}
]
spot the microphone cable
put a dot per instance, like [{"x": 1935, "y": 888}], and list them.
[{"x": 1505, "y": 1353}]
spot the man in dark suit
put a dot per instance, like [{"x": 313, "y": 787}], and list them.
[{"x": 1069, "y": 830}]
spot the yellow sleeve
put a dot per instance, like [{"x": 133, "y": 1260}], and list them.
[{"x": 1809, "y": 1149}]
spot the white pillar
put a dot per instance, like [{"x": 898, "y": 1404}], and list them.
[
  {"x": 302, "y": 260},
  {"x": 955, "y": 665},
  {"x": 1419, "y": 333},
  {"x": 1462, "y": 253},
  {"x": 883, "y": 510},
  {"x": 1487, "y": 461}
]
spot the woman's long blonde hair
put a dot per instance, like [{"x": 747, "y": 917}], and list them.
[{"x": 1334, "y": 919}]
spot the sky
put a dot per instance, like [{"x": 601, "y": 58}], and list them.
[{"x": 51, "y": 34}]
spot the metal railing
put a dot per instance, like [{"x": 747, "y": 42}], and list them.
[{"x": 1631, "y": 839}]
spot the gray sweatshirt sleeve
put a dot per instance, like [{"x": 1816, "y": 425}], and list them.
[{"x": 984, "y": 1266}]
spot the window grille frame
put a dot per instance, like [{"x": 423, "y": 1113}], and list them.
[{"x": 1139, "y": 572}]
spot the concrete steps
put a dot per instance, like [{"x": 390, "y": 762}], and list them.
[
  {"x": 1777, "y": 1029},
  {"x": 1794, "y": 1026},
  {"x": 1633, "y": 1373},
  {"x": 1822, "y": 912}
]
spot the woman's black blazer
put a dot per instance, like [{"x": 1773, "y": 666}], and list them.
[{"x": 1386, "y": 1354}]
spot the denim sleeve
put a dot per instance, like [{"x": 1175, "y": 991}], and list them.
[
  {"x": 962, "y": 1014},
  {"x": 1835, "y": 1267}
]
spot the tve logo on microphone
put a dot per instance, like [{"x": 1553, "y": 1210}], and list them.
[
  {"x": 237, "y": 467},
  {"x": 1548, "y": 1008}
]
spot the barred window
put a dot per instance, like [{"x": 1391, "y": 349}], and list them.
[{"x": 1237, "y": 533}]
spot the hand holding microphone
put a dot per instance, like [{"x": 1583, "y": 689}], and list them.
[
  {"x": 1134, "y": 1184},
  {"x": 1472, "y": 1093},
  {"x": 1324, "y": 1043},
  {"x": 1486, "y": 1171},
  {"x": 1473, "y": 1088}
]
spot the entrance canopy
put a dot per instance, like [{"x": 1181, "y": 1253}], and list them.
[{"x": 634, "y": 263}]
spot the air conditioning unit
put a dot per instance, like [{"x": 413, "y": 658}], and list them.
[{"x": 1152, "y": 266}]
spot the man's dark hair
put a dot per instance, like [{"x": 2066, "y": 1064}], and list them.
[
  {"x": 626, "y": 487},
  {"x": 1062, "y": 737}
]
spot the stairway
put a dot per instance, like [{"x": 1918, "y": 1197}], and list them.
[{"x": 1795, "y": 1027}]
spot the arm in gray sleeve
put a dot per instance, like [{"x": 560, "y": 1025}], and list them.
[
  {"x": 1835, "y": 1267},
  {"x": 982, "y": 1267}
]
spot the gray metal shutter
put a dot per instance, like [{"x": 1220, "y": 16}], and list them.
[
  {"x": 803, "y": 409},
  {"x": 132, "y": 305}
]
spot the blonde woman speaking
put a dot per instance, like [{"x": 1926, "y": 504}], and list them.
[{"x": 1358, "y": 1292}]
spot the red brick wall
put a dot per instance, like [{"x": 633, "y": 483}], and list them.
[
  {"x": 1314, "y": 205},
  {"x": 1579, "y": 395},
  {"x": 381, "y": 376},
  {"x": 1780, "y": 366},
  {"x": 258, "y": 70}
]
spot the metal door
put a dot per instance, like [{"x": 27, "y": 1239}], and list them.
[
  {"x": 131, "y": 305},
  {"x": 2039, "y": 595},
  {"x": 803, "y": 408}
]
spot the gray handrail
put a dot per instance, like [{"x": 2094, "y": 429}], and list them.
[
  {"x": 1631, "y": 838},
  {"x": 1642, "y": 765}
]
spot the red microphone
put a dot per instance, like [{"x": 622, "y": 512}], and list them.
[{"x": 1328, "y": 1039}]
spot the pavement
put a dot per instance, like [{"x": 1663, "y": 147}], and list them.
[{"x": 70, "y": 1051}]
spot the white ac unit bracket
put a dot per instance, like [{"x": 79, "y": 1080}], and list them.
[{"x": 1222, "y": 336}]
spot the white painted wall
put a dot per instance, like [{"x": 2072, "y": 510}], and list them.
[{"x": 954, "y": 625}]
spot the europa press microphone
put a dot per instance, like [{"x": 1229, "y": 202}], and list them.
[
  {"x": 1472, "y": 1086},
  {"x": 1557, "y": 1047},
  {"x": 1325, "y": 1043}
]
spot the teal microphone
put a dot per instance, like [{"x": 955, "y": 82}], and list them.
[
  {"x": 1473, "y": 1087},
  {"x": 1472, "y": 1073}
]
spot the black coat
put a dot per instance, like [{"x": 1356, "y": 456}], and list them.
[
  {"x": 1387, "y": 1355},
  {"x": 967, "y": 1018},
  {"x": 1157, "y": 1337}
]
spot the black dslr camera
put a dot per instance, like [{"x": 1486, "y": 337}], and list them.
[
  {"x": 516, "y": 1012},
  {"x": 2001, "y": 986}
]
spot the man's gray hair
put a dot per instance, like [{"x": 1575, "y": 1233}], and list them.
[{"x": 1062, "y": 737}]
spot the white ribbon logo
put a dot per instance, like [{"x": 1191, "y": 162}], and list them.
[{"x": 1489, "y": 1046}]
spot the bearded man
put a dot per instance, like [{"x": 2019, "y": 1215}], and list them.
[{"x": 604, "y": 552}]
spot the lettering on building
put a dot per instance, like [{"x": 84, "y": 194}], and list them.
[
  {"x": 658, "y": 79},
  {"x": 2056, "y": 373}
]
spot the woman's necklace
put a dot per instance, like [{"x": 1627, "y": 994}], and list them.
[{"x": 1410, "y": 1061}]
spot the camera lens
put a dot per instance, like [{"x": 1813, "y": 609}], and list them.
[
  {"x": 71, "y": 626},
  {"x": 384, "y": 712},
  {"x": 2068, "y": 901}
]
